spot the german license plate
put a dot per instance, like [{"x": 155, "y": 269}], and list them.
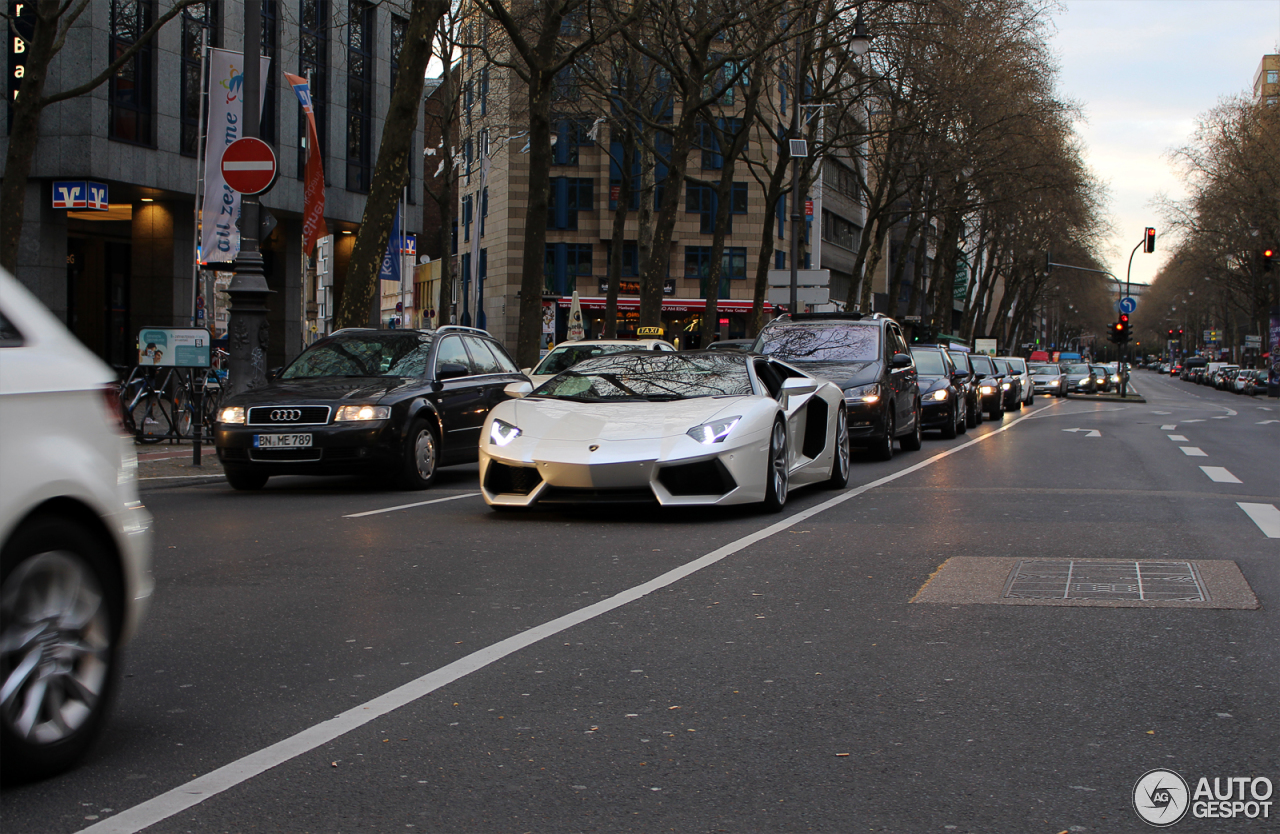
[{"x": 281, "y": 441}]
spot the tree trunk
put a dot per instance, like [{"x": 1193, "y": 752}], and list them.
[
  {"x": 529, "y": 337},
  {"x": 773, "y": 191},
  {"x": 654, "y": 271},
  {"x": 391, "y": 170},
  {"x": 616, "y": 244}
]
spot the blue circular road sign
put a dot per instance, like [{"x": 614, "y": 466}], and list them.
[{"x": 1128, "y": 304}]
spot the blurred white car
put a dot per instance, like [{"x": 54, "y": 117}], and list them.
[
  {"x": 567, "y": 354},
  {"x": 75, "y": 540}
]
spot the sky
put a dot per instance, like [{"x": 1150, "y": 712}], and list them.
[{"x": 1143, "y": 70}]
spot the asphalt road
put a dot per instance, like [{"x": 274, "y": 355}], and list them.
[{"x": 443, "y": 668}]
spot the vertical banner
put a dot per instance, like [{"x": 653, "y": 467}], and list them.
[
  {"x": 219, "y": 238},
  {"x": 391, "y": 258},
  {"x": 313, "y": 225}
]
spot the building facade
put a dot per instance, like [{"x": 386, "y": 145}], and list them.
[
  {"x": 109, "y": 273},
  {"x": 1266, "y": 81}
]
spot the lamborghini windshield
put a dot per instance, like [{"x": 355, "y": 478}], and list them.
[{"x": 651, "y": 377}]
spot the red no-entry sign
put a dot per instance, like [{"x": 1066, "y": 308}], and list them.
[{"x": 249, "y": 165}]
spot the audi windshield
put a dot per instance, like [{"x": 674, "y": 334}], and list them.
[{"x": 360, "y": 354}]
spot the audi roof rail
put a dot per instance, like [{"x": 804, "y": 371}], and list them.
[{"x": 462, "y": 327}]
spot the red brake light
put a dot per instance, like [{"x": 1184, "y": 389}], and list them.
[{"x": 115, "y": 411}]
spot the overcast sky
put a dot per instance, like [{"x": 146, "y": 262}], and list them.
[{"x": 1143, "y": 71}]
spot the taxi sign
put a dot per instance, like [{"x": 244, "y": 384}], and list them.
[{"x": 649, "y": 332}]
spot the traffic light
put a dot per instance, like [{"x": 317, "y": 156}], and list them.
[
  {"x": 1149, "y": 242},
  {"x": 1120, "y": 331},
  {"x": 1267, "y": 256},
  {"x": 1170, "y": 332}
]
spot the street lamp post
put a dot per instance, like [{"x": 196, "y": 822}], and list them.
[{"x": 247, "y": 314}]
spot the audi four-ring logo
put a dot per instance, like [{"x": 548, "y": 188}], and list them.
[{"x": 286, "y": 415}]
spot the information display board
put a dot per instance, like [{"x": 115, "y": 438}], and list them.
[{"x": 174, "y": 347}]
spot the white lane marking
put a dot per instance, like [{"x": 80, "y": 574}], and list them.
[
  {"x": 1221, "y": 417},
  {"x": 1177, "y": 438},
  {"x": 1091, "y": 432},
  {"x": 179, "y": 799},
  {"x": 1266, "y": 516},
  {"x": 1230, "y": 412},
  {"x": 1265, "y": 422},
  {"x": 1169, "y": 427},
  {"x": 411, "y": 506},
  {"x": 1162, "y": 412},
  {"x": 1193, "y": 451},
  {"x": 1193, "y": 421},
  {"x": 1219, "y": 474}
]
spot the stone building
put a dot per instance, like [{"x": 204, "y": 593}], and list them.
[{"x": 110, "y": 273}]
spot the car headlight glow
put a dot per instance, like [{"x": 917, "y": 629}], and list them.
[
  {"x": 362, "y": 413},
  {"x": 988, "y": 389},
  {"x": 1053, "y": 383},
  {"x": 939, "y": 395},
  {"x": 1115, "y": 378},
  {"x": 713, "y": 432},
  {"x": 232, "y": 414},
  {"x": 1005, "y": 386},
  {"x": 501, "y": 433},
  {"x": 864, "y": 393}
]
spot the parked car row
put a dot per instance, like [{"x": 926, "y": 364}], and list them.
[
  {"x": 398, "y": 404},
  {"x": 1223, "y": 376}
]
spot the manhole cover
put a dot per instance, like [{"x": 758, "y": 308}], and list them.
[{"x": 1067, "y": 579}]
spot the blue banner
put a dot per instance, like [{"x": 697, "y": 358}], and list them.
[{"x": 391, "y": 260}]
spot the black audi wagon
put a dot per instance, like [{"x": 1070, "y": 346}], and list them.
[{"x": 394, "y": 403}]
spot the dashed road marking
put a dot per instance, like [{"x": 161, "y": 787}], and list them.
[
  {"x": 411, "y": 506},
  {"x": 1177, "y": 438},
  {"x": 1169, "y": 427},
  {"x": 1193, "y": 451},
  {"x": 1220, "y": 475},
  {"x": 1266, "y": 516}
]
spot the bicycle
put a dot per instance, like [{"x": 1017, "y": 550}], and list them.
[{"x": 159, "y": 403}]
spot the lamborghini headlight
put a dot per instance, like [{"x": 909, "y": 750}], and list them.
[
  {"x": 864, "y": 393},
  {"x": 232, "y": 415},
  {"x": 501, "y": 433},
  {"x": 713, "y": 432},
  {"x": 362, "y": 413}
]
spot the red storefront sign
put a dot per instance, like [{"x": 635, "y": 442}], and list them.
[{"x": 671, "y": 305}]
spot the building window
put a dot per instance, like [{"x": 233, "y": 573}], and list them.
[
  {"x": 195, "y": 19},
  {"x": 360, "y": 59},
  {"x": 702, "y": 200},
  {"x": 467, "y": 210},
  {"x": 313, "y": 64},
  {"x": 484, "y": 91},
  {"x": 569, "y": 195},
  {"x": 837, "y": 230},
  {"x": 132, "y": 89},
  {"x": 567, "y": 85},
  {"x": 1273, "y": 76},
  {"x": 565, "y": 264},
  {"x": 630, "y": 267},
  {"x": 571, "y": 134}
]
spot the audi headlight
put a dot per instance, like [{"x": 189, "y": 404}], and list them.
[
  {"x": 232, "y": 414},
  {"x": 988, "y": 389},
  {"x": 1053, "y": 383},
  {"x": 713, "y": 432},
  {"x": 939, "y": 395},
  {"x": 501, "y": 433},
  {"x": 864, "y": 393},
  {"x": 1005, "y": 386},
  {"x": 362, "y": 413}
]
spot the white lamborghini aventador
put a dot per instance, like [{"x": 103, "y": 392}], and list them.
[{"x": 707, "y": 427}]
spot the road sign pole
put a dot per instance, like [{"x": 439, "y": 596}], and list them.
[{"x": 247, "y": 315}]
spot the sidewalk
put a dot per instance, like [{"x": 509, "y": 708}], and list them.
[{"x": 165, "y": 464}]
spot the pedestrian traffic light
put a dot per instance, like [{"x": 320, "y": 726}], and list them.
[
  {"x": 1149, "y": 242},
  {"x": 1267, "y": 256}
]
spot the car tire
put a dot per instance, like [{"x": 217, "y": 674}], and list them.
[
  {"x": 950, "y": 429},
  {"x": 421, "y": 456},
  {"x": 246, "y": 480},
  {"x": 840, "y": 461},
  {"x": 995, "y": 412},
  {"x": 963, "y": 426},
  {"x": 777, "y": 476},
  {"x": 883, "y": 449},
  {"x": 60, "y": 601},
  {"x": 978, "y": 416},
  {"x": 915, "y": 441}
]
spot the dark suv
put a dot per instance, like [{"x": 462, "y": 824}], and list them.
[
  {"x": 868, "y": 358},
  {"x": 397, "y": 403}
]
